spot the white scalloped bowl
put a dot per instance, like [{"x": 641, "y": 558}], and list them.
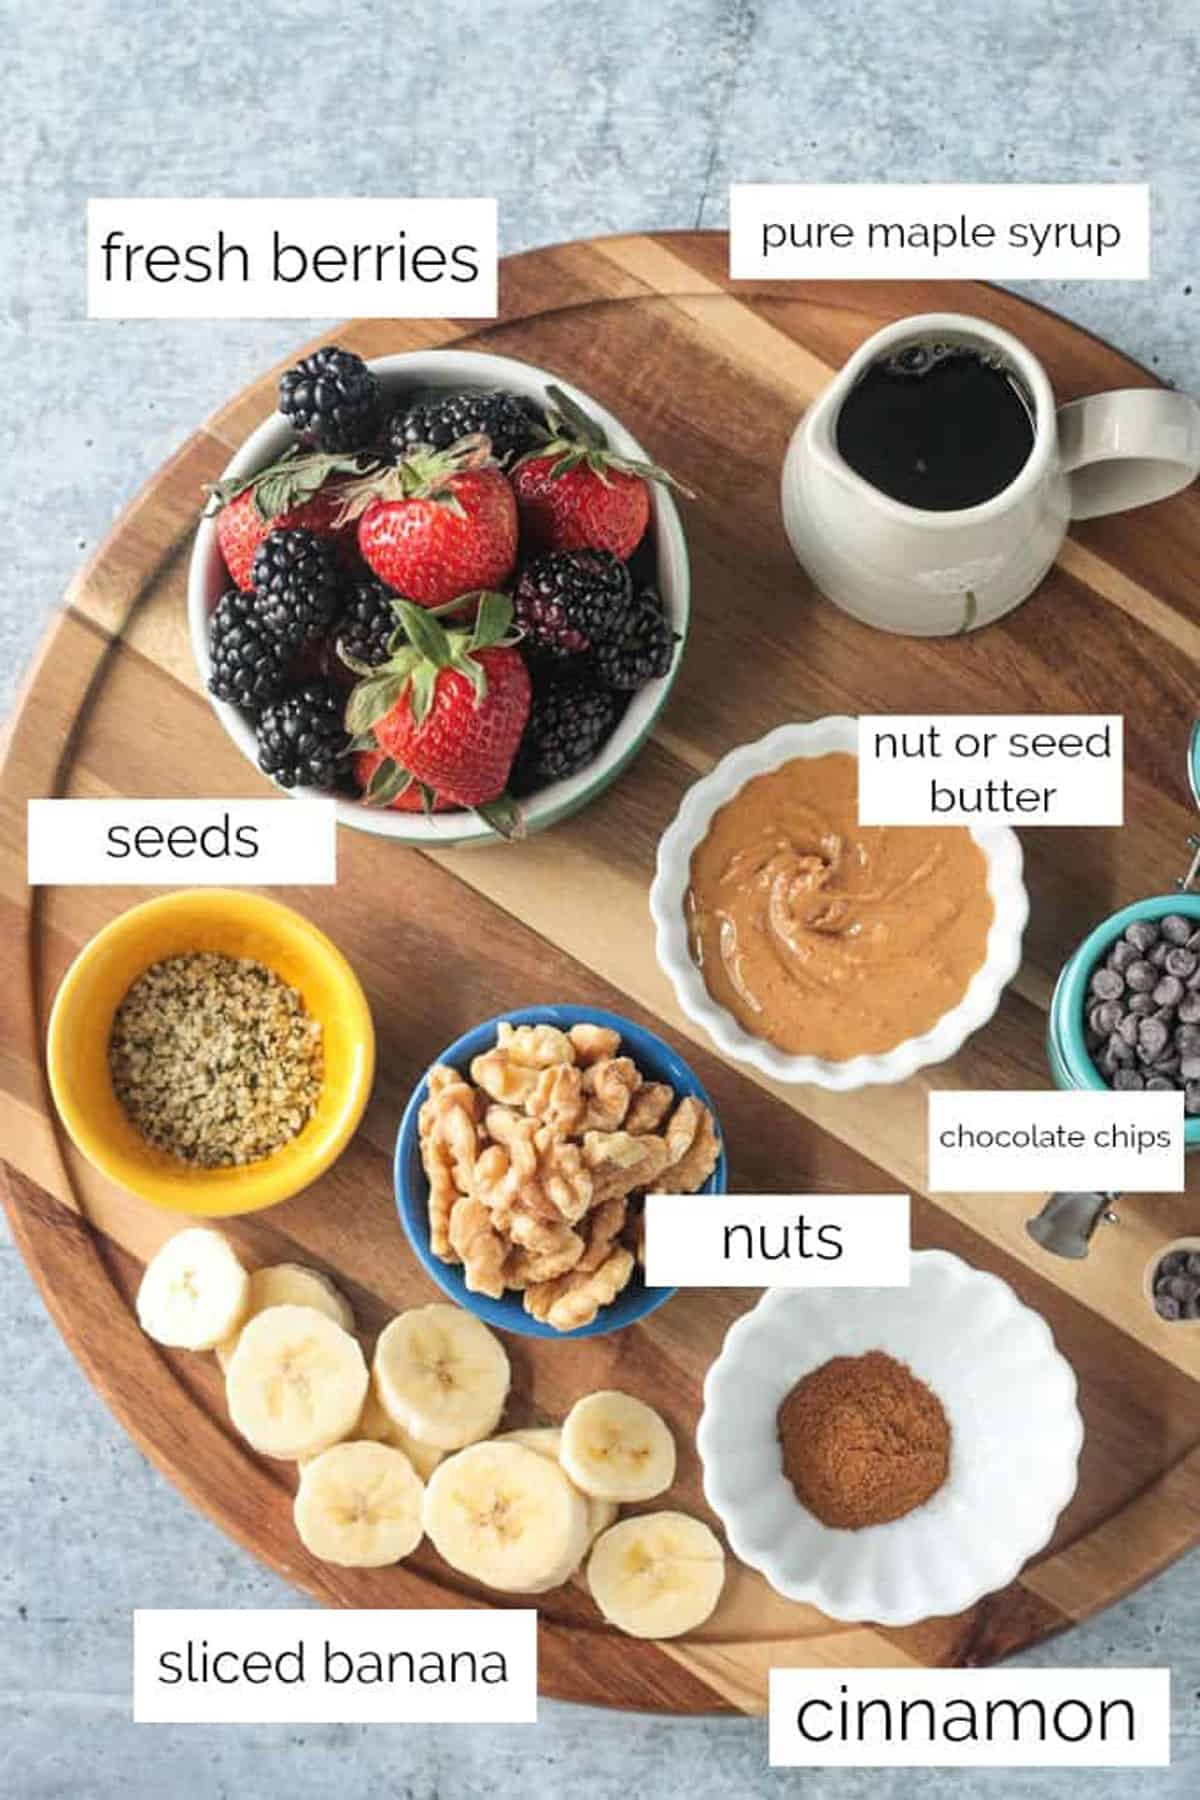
[
  {"x": 1016, "y": 1434},
  {"x": 1010, "y": 905}
]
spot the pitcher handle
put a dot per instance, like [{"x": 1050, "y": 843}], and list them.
[{"x": 1127, "y": 448}]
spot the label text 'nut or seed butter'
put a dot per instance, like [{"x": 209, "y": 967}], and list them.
[
  {"x": 999, "y": 769},
  {"x": 777, "y": 1240},
  {"x": 192, "y": 843},
  {"x": 1001, "y": 1141},
  {"x": 259, "y": 1667}
]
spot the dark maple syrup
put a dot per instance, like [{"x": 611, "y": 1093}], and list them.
[{"x": 937, "y": 426}]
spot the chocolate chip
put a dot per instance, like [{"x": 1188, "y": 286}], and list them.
[
  {"x": 1159, "y": 1084},
  {"x": 1169, "y": 992},
  {"x": 1153, "y": 1036},
  {"x": 1166, "y": 1308},
  {"x": 1141, "y": 934},
  {"x": 1106, "y": 984},
  {"x": 1189, "y": 1068},
  {"x": 1141, "y": 976},
  {"x": 1193, "y": 1263},
  {"x": 1118, "y": 1052},
  {"x": 1180, "y": 962},
  {"x": 1189, "y": 1010},
  {"x": 1175, "y": 928},
  {"x": 1141, "y": 1005},
  {"x": 1158, "y": 955},
  {"x": 1191, "y": 1099},
  {"x": 1181, "y": 1287},
  {"x": 1193, "y": 943},
  {"x": 1173, "y": 1263},
  {"x": 1122, "y": 954},
  {"x": 1106, "y": 1017},
  {"x": 1128, "y": 1079},
  {"x": 1128, "y": 1029}
]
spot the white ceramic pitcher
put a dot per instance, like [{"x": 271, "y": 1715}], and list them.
[{"x": 930, "y": 574}]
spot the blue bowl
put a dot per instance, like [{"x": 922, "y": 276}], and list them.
[
  {"x": 657, "y": 1062},
  {"x": 1066, "y": 1046}
]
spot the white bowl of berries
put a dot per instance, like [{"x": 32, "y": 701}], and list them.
[{"x": 444, "y": 586}]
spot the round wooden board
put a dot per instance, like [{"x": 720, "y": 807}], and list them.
[{"x": 712, "y": 379}]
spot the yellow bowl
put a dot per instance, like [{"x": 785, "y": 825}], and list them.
[{"x": 231, "y": 923}]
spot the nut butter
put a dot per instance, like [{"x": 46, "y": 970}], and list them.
[{"x": 825, "y": 937}]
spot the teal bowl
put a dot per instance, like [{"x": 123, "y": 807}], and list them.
[{"x": 1066, "y": 1046}]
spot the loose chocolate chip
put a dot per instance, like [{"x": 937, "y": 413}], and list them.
[
  {"x": 1141, "y": 934},
  {"x": 1187, "y": 1037},
  {"x": 1118, "y": 1052},
  {"x": 1175, "y": 928},
  {"x": 1169, "y": 992},
  {"x": 1106, "y": 984},
  {"x": 1153, "y": 1037},
  {"x": 1175, "y": 1262},
  {"x": 1191, "y": 1098},
  {"x": 1107, "y": 1016},
  {"x": 1189, "y": 1010},
  {"x": 1159, "y": 1084},
  {"x": 1165, "y": 1307},
  {"x": 1128, "y": 1029},
  {"x": 1181, "y": 1287},
  {"x": 1189, "y": 1068},
  {"x": 1128, "y": 1079},
  {"x": 1141, "y": 1005},
  {"x": 1180, "y": 962},
  {"x": 1166, "y": 1065},
  {"x": 1193, "y": 1263},
  {"x": 1122, "y": 954},
  {"x": 1158, "y": 955},
  {"x": 1142, "y": 977}
]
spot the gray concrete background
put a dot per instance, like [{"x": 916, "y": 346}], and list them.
[{"x": 581, "y": 118}]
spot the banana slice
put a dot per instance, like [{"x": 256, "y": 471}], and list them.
[
  {"x": 381, "y": 1429},
  {"x": 545, "y": 1440},
  {"x": 194, "y": 1291},
  {"x": 290, "y": 1284},
  {"x": 442, "y": 1376},
  {"x": 359, "y": 1505},
  {"x": 617, "y": 1448},
  {"x": 657, "y": 1575},
  {"x": 507, "y": 1517},
  {"x": 296, "y": 1382}
]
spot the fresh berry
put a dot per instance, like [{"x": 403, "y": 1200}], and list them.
[
  {"x": 301, "y": 738},
  {"x": 574, "y": 493},
  {"x": 249, "y": 664},
  {"x": 568, "y": 721},
  {"x": 507, "y": 420},
  {"x": 368, "y": 624},
  {"x": 449, "y": 706},
  {"x": 439, "y": 524},
  {"x": 393, "y": 787},
  {"x": 298, "y": 582},
  {"x": 332, "y": 400},
  {"x": 570, "y": 601},
  {"x": 644, "y": 650},
  {"x": 296, "y": 490}
]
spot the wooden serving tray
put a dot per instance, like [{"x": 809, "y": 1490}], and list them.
[{"x": 712, "y": 379}]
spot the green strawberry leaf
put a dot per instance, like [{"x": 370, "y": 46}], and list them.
[
  {"x": 387, "y": 783},
  {"x": 425, "y": 634},
  {"x": 580, "y": 425},
  {"x": 504, "y": 816},
  {"x": 492, "y": 620},
  {"x": 424, "y": 686},
  {"x": 364, "y": 741},
  {"x": 373, "y": 699}
]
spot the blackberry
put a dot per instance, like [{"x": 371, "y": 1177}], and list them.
[
  {"x": 301, "y": 738},
  {"x": 297, "y": 579},
  {"x": 644, "y": 650},
  {"x": 249, "y": 664},
  {"x": 332, "y": 400},
  {"x": 508, "y": 420},
  {"x": 570, "y": 601},
  {"x": 368, "y": 623},
  {"x": 568, "y": 721}
]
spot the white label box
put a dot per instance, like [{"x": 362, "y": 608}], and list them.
[
  {"x": 970, "y": 1718},
  {"x": 300, "y": 1666},
  {"x": 222, "y": 258},
  {"x": 995, "y": 768},
  {"x": 984, "y": 231},
  {"x": 777, "y": 1240},
  {"x": 1008, "y": 1141},
  {"x": 182, "y": 843}
]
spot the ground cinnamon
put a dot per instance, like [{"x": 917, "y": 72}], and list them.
[{"x": 863, "y": 1440}]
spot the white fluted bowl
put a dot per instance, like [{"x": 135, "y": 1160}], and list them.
[
  {"x": 1010, "y": 911},
  {"x": 1016, "y": 1434}
]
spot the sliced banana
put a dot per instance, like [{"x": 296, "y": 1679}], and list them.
[
  {"x": 377, "y": 1425},
  {"x": 617, "y": 1448},
  {"x": 296, "y": 1382},
  {"x": 442, "y": 1376},
  {"x": 658, "y": 1575},
  {"x": 545, "y": 1440},
  {"x": 194, "y": 1291},
  {"x": 507, "y": 1517},
  {"x": 359, "y": 1505},
  {"x": 290, "y": 1284}
]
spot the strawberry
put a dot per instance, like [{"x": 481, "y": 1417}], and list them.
[
  {"x": 439, "y": 523},
  {"x": 382, "y": 782},
  {"x": 450, "y": 706},
  {"x": 574, "y": 493},
  {"x": 296, "y": 490}
]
